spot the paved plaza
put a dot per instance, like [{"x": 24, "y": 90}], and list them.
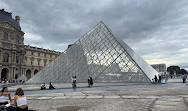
[{"x": 146, "y": 97}]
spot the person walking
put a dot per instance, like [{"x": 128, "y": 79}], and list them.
[
  {"x": 74, "y": 82},
  {"x": 184, "y": 78},
  {"x": 156, "y": 80},
  {"x": 159, "y": 79}
]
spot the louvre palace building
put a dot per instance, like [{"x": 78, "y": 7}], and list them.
[{"x": 16, "y": 58}]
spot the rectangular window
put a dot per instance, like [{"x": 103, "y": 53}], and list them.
[
  {"x": 38, "y": 53},
  {"x": 5, "y": 57},
  {"x": 5, "y": 36},
  {"x": 44, "y": 55},
  {"x": 17, "y": 59},
  {"x": 32, "y": 53},
  {"x": 39, "y": 62},
  {"x": 32, "y": 61},
  {"x": 17, "y": 39},
  {"x": 26, "y": 60}
]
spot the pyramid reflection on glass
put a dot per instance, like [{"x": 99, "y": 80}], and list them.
[{"x": 98, "y": 54}]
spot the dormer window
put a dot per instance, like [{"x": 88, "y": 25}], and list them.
[
  {"x": 5, "y": 36},
  {"x": 17, "y": 39}
]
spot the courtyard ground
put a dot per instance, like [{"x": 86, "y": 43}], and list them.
[{"x": 172, "y": 96}]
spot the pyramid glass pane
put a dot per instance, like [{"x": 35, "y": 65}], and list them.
[{"x": 98, "y": 54}]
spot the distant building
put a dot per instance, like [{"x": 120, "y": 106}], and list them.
[
  {"x": 15, "y": 57},
  {"x": 161, "y": 68}
]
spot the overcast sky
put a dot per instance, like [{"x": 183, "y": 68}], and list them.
[{"x": 156, "y": 29}]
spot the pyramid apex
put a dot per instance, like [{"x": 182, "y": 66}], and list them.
[{"x": 101, "y": 22}]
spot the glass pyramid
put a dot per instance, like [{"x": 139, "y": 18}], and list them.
[{"x": 98, "y": 54}]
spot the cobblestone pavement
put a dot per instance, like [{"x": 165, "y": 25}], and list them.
[
  {"x": 144, "y": 99},
  {"x": 153, "y": 98}
]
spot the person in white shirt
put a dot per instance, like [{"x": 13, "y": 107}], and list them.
[
  {"x": 20, "y": 100},
  {"x": 74, "y": 82},
  {"x": 5, "y": 96},
  {"x": 43, "y": 86}
]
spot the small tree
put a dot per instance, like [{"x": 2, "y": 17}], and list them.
[
  {"x": 183, "y": 71},
  {"x": 173, "y": 69}
]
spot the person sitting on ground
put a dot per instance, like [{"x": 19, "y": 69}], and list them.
[
  {"x": 43, "y": 86},
  {"x": 5, "y": 96},
  {"x": 51, "y": 86},
  {"x": 20, "y": 100}
]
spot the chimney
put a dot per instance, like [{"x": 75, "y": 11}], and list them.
[{"x": 17, "y": 18}]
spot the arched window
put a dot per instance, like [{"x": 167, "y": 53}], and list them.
[
  {"x": 5, "y": 57},
  {"x": 17, "y": 39},
  {"x": 45, "y": 62},
  {"x": 35, "y": 72},
  {"x": 28, "y": 74},
  {"x": 5, "y": 36}
]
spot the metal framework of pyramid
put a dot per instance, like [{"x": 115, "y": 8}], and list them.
[
  {"x": 98, "y": 54},
  {"x": 22, "y": 77}
]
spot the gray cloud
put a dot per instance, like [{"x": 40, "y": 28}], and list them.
[{"x": 156, "y": 29}]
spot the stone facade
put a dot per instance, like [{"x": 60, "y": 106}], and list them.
[{"x": 15, "y": 57}]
